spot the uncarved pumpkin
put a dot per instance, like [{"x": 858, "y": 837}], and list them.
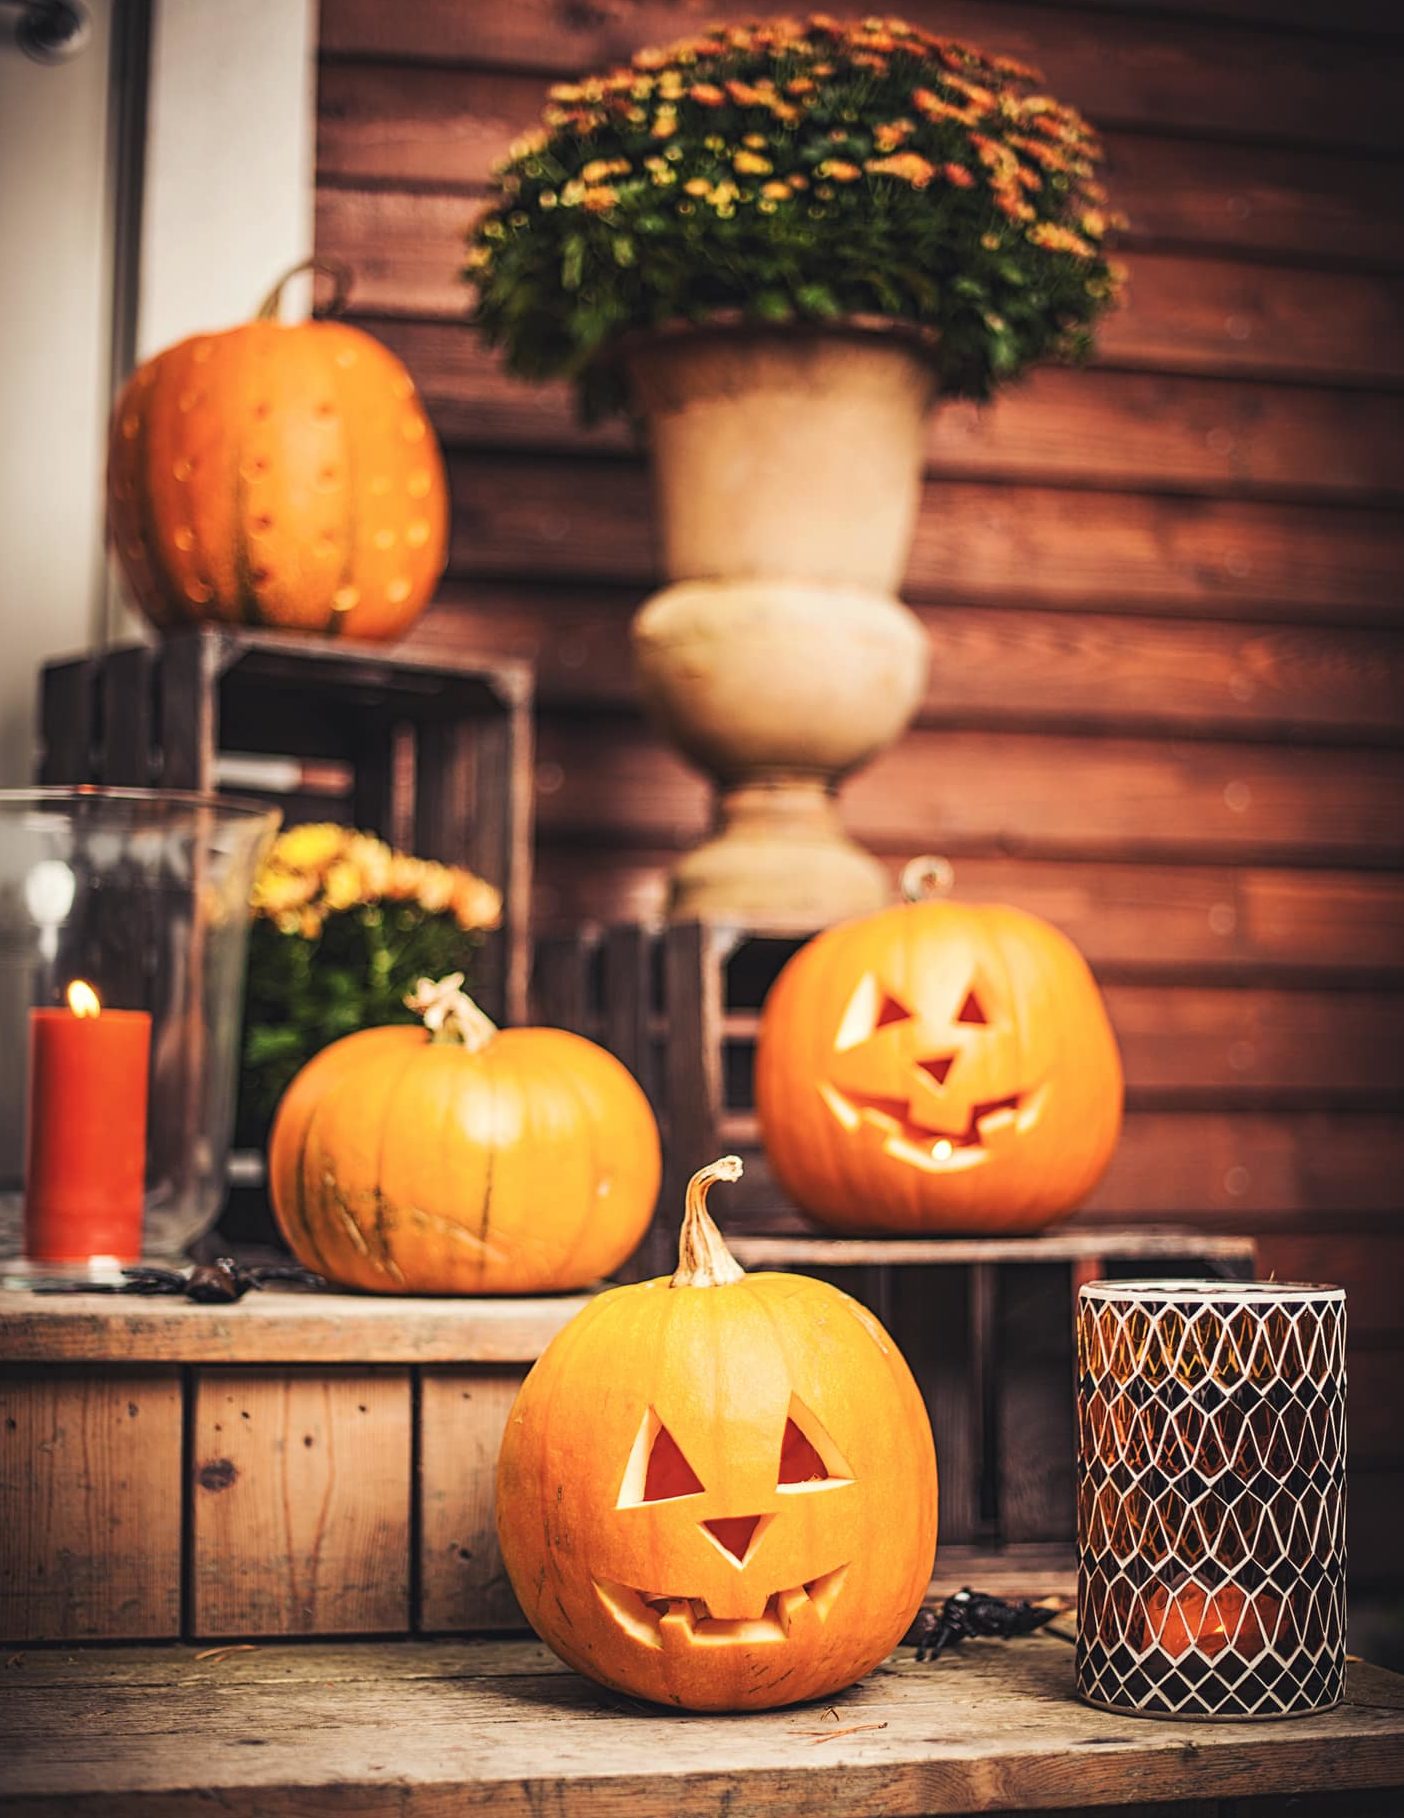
[
  {"x": 459, "y": 1158},
  {"x": 718, "y": 1491},
  {"x": 282, "y": 475},
  {"x": 938, "y": 1067}
]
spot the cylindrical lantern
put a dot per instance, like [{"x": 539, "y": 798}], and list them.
[{"x": 1211, "y": 1498}]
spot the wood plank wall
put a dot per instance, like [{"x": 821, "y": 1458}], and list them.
[{"x": 1164, "y": 594}]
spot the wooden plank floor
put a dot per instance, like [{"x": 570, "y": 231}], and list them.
[{"x": 428, "y": 1729}]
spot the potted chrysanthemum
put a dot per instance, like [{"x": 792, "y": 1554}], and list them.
[
  {"x": 778, "y": 244},
  {"x": 343, "y": 927}
]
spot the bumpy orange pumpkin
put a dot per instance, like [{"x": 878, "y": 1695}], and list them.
[
  {"x": 719, "y": 1491},
  {"x": 938, "y": 1067},
  {"x": 277, "y": 475},
  {"x": 457, "y": 1158}
]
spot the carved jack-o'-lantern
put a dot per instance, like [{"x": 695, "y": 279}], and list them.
[
  {"x": 719, "y": 1491},
  {"x": 938, "y": 1067}
]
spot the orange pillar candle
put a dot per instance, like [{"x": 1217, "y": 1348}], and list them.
[{"x": 85, "y": 1164}]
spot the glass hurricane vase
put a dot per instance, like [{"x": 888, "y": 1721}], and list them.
[{"x": 144, "y": 895}]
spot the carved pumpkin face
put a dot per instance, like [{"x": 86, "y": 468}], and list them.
[
  {"x": 938, "y": 1067},
  {"x": 721, "y": 1495}
]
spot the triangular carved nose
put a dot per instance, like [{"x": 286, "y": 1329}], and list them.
[
  {"x": 938, "y": 1068},
  {"x": 734, "y": 1532}
]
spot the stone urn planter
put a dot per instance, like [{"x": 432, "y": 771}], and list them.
[{"x": 787, "y": 470}]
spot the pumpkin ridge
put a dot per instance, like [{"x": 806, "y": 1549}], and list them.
[
  {"x": 335, "y": 622},
  {"x": 162, "y": 577},
  {"x": 587, "y": 1121},
  {"x": 300, "y": 1196},
  {"x": 381, "y": 1204}
]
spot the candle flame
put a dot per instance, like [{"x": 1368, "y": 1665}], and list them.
[{"x": 82, "y": 999}]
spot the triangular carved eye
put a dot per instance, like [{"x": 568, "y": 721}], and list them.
[
  {"x": 870, "y": 1008},
  {"x": 808, "y": 1457},
  {"x": 890, "y": 1011},
  {"x": 657, "y": 1470},
  {"x": 970, "y": 1011}
]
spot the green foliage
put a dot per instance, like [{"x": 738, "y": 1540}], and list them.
[
  {"x": 794, "y": 173},
  {"x": 303, "y": 993}
]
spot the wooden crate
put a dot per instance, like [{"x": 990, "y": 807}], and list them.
[
  {"x": 434, "y": 756},
  {"x": 294, "y": 1464},
  {"x": 425, "y": 1729},
  {"x": 985, "y": 1323}
]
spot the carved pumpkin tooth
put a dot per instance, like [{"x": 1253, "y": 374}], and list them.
[{"x": 786, "y": 1605}]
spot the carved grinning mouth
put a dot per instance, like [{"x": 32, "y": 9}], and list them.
[
  {"x": 660, "y": 1621},
  {"x": 918, "y": 1143}
]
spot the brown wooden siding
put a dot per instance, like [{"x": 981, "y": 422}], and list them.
[{"x": 1165, "y": 595}]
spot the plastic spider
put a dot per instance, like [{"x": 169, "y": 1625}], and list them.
[
  {"x": 224, "y": 1279},
  {"x": 973, "y": 1613}
]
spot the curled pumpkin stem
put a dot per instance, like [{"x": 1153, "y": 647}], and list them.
[
  {"x": 926, "y": 879},
  {"x": 703, "y": 1258},
  {"x": 449, "y": 1014},
  {"x": 339, "y": 274}
]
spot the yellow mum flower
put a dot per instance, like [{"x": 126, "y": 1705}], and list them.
[
  {"x": 405, "y": 875},
  {"x": 751, "y": 164},
  {"x": 840, "y": 171},
  {"x": 341, "y": 888},
  {"x": 475, "y": 903},
  {"x": 276, "y": 892},
  {"x": 308, "y": 848},
  {"x": 436, "y": 886}
]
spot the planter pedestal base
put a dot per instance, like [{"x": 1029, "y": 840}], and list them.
[{"x": 779, "y": 853}]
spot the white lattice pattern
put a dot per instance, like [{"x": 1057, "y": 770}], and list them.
[{"x": 1211, "y": 1497}]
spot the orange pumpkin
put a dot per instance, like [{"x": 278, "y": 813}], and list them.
[
  {"x": 718, "y": 1490},
  {"x": 282, "y": 475},
  {"x": 457, "y": 1158},
  {"x": 938, "y": 1067}
]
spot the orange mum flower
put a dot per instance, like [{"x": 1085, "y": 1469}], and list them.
[
  {"x": 909, "y": 167},
  {"x": 888, "y": 136}
]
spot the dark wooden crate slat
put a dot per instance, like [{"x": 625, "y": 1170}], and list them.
[
  {"x": 190, "y": 710},
  {"x": 68, "y": 708},
  {"x": 931, "y": 1310},
  {"x": 627, "y": 1023},
  {"x": 129, "y": 751},
  {"x": 561, "y": 995}
]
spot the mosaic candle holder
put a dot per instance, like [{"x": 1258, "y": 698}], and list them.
[{"x": 1211, "y": 1498}]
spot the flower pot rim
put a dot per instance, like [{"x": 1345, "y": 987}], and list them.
[{"x": 736, "y": 324}]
